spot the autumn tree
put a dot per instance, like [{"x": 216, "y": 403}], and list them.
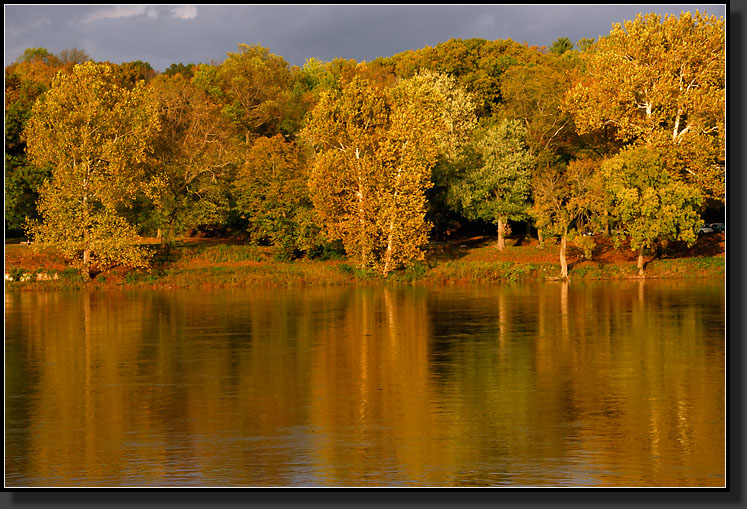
[
  {"x": 565, "y": 199},
  {"x": 25, "y": 82},
  {"x": 534, "y": 95},
  {"x": 343, "y": 181},
  {"x": 253, "y": 85},
  {"x": 272, "y": 193},
  {"x": 318, "y": 76},
  {"x": 476, "y": 64},
  {"x": 496, "y": 189},
  {"x": 195, "y": 157},
  {"x": 185, "y": 70},
  {"x": 375, "y": 149},
  {"x": 95, "y": 136},
  {"x": 37, "y": 55},
  {"x": 661, "y": 83},
  {"x": 648, "y": 203}
]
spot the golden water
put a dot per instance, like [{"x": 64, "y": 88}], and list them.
[{"x": 596, "y": 384}]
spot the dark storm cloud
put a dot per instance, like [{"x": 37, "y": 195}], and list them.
[{"x": 165, "y": 34}]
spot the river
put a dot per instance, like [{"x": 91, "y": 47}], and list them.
[{"x": 550, "y": 384}]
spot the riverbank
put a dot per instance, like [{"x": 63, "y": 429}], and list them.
[{"x": 230, "y": 263}]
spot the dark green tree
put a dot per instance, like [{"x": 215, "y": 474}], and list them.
[{"x": 561, "y": 45}]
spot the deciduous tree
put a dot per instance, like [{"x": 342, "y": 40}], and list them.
[
  {"x": 272, "y": 193},
  {"x": 376, "y": 146},
  {"x": 95, "y": 136},
  {"x": 195, "y": 157},
  {"x": 497, "y": 188},
  {"x": 648, "y": 203},
  {"x": 534, "y": 95},
  {"x": 25, "y": 81},
  {"x": 255, "y": 85},
  {"x": 565, "y": 199},
  {"x": 73, "y": 56},
  {"x": 661, "y": 82}
]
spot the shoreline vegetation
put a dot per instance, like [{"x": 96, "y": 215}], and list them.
[
  {"x": 375, "y": 160},
  {"x": 223, "y": 263}
]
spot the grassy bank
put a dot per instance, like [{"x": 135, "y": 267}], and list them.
[{"x": 220, "y": 263}]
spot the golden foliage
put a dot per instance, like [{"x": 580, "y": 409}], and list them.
[
  {"x": 95, "y": 136},
  {"x": 661, "y": 82},
  {"x": 375, "y": 150}
]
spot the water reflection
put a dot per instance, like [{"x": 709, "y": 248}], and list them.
[{"x": 614, "y": 384}]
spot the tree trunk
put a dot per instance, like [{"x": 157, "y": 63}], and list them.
[
  {"x": 361, "y": 214},
  {"x": 389, "y": 249},
  {"x": 390, "y": 239},
  {"x": 500, "y": 244},
  {"x": 563, "y": 261},
  {"x": 86, "y": 269},
  {"x": 640, "y": 262}
]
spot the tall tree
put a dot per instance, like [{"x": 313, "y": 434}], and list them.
[
  {"x": 534, "y": 95},
  {"x": 564, "y": 199},
  {"x": 272, "y": 193},
  {"x": 196, "y": 155},
  {"x": 344, "y": 129},
  {"x": 376, "y": 146},
  {"x": 648, "y": 203},
  {"x": 255, "y": 87},
  {"x": 662, "y": 83},
  {"x": 95, "y": 135},
  {"x": 497, "y": 188},
  {"x": 37, "y": 55},
  {"x": 476, "y": 64}
]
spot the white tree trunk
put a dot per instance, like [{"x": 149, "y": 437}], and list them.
[
  {"x": 563, "y": 261},
  {"x": 500, "y": 244}
]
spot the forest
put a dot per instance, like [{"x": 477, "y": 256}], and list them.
[{"x": 623, "y": 135}]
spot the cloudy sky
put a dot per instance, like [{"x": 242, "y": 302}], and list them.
[{"x": 166, "y": 34}]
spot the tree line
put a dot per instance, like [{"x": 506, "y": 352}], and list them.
[{"x": 623, "y": 135}]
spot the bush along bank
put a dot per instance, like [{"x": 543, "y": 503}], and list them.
[{"x": 238, "y": 265}]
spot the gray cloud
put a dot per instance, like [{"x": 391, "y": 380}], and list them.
[{"x": 166, "y": 34}]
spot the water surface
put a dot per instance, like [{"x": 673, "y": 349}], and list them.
[{"x": 581, "y": 384}]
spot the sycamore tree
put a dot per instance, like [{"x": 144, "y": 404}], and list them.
[
  {"x": 496, "y": 189},
  {"x": 661, "y": 83},
  {"x": 375, "y": 147},
  {"x": 566, "y": 199},
  {"x": 647, "y": 202},
  {"x": 95, "y": 137},
  {"x": 343, "y": 130}
]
